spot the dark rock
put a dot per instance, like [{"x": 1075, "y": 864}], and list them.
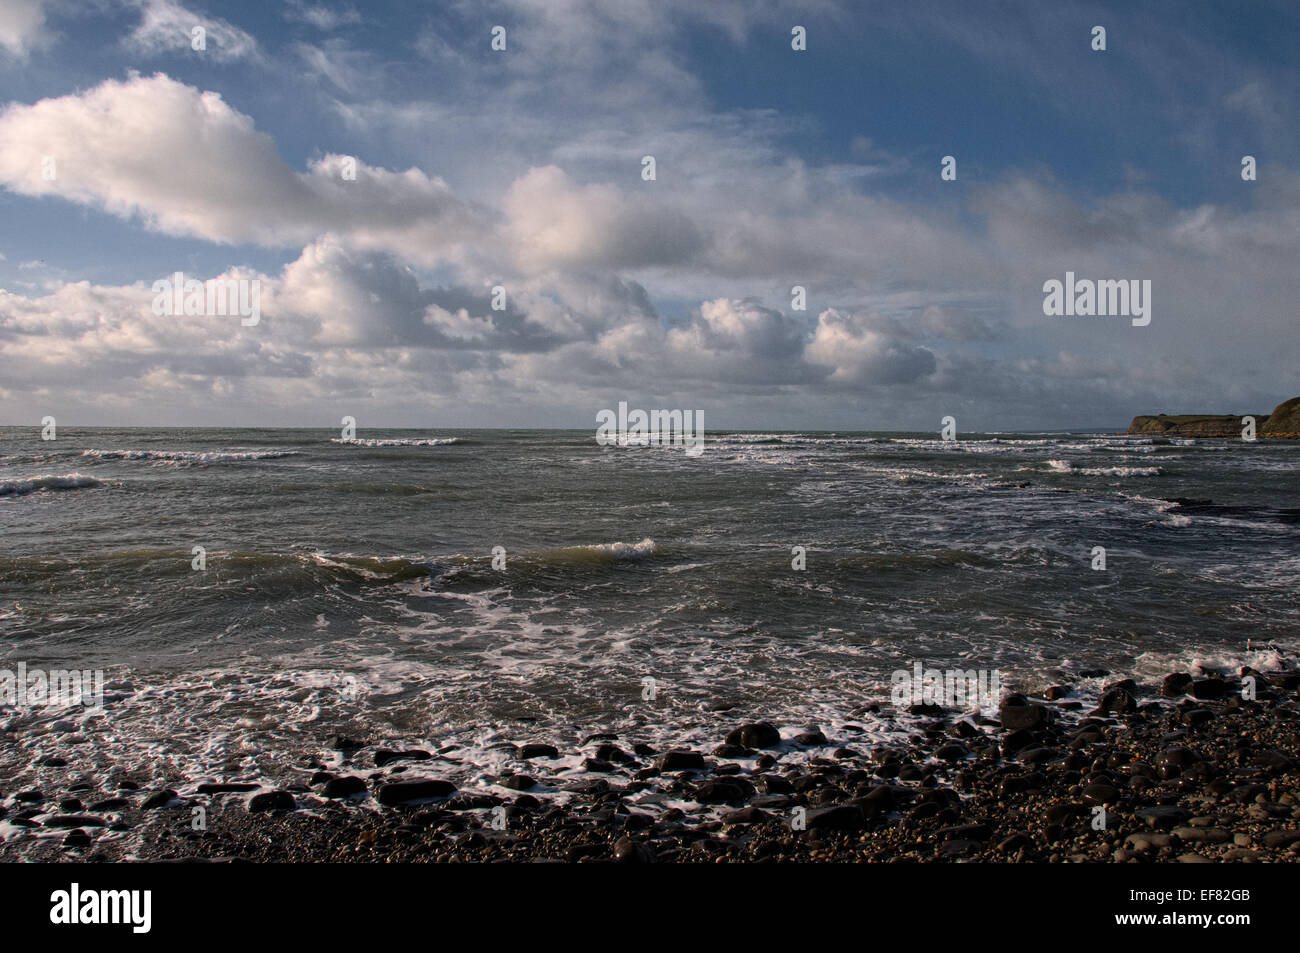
[
  {"x": 1013, "y": 843},
  {"x": 1175, "y": 684},
  {"x": 1059, "y": 813},
  {"x": 345, "y": 786},
  {"x": 385, "y": 756},
  {"x": 975, "y": 832},
  {"x": 680, "y": 761},
  {"x": 1100, "y": 794},
  {"x": 613, "y": 753},
  {"x": 747, "y": 815},
  {"x": 1165, "y": 816},
  {"x": 760, "y": 734},
  {"x": 732, "y": 751},
  {"x": 74, "y": 820},
  {"x": 402, "y": 792},
  {"x": 473, "y": 802},
  {"x": 1117, "y": 700},
  {"x": 952, "y": 752},
  {"x": 344, "y": 743},
  {"x": 1208, "y": 689},
  {"x": 1015, "y": 741},
  {"x": 110, "y": 804},
  {"x": 517, "y": 782},
  {"x": 1173, "y": 761},
  {"x": 537, "y": 749},
  {"x": 271, "y": 801},
  {"x": 811, "y": 739},
  {"x": 1274, "y": 760},
  {"x": 1039, "y": 755},
  {"x": 773, "y": 784},
  {"x": 628, "y": 851},
  {"x": 589, "y": 786},
  {"x": 158, "y": 799},
  {"x": 1281, "y": 838},
  {"x": 728, "y": 791},
  {"x": 1022, "y": 716},
  {"x": 842, "y": 818}
]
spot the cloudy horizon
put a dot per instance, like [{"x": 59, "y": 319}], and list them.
[{"x": 379, "y": 169}]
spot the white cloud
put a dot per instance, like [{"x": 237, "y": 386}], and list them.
[
  {"x": 22, "y": 26},
  {"x": 188, "y": 164},
  {"x": 864, "y": 349},
  {"x": 167, "y": 27},
  {"x": 320, "y": 16}
]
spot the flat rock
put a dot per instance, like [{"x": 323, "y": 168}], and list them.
[
  {"x": 422, "y": 789},
  {"x": 537, "y": 749},
  {"x": 74, "y": 820}
]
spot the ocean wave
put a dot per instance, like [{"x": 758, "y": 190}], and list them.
[
  {"x": 1065, "y": 466},
  {"x": 397, "y": 441},
  {"x": 596, "y": 554},
  {"x": 188, "y": 456},
  {"x": 47, "y": 481}
]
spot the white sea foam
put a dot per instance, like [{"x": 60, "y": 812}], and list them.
[
  {"x": 1065, "y": 466},
  {"x": 639, "y": 550},
  {"x": 188, "y": 456},
  {"x": 397, "y": 441},
  {"x": 47, "y": 481}
]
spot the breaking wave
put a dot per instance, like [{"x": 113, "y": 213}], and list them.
[{"x": 71, "y": 481}]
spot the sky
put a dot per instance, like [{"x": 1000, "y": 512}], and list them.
[{"x": 523, "y": 169}]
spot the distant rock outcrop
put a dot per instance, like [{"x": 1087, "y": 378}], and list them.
[
  {"x": 1284, "y": 421},
  {"x": 1191, "y": 425}
]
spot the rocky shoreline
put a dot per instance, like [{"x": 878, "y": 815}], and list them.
[{"x": 1191, "y": 770}]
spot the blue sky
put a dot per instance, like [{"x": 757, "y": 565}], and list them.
[{"x": 522, "y": 168}]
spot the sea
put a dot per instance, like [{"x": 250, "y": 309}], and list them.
[{"x": 249, "y": 594}]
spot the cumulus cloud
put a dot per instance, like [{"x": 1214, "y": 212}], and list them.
[
  {"x": 678, "y": 287},
  {"x": 554, "y": 222},
  {"x": 864, "y": 349},
  {"x": 186, "y": 163}
]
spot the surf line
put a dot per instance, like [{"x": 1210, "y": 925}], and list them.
[{"x": 639, "y": 428}]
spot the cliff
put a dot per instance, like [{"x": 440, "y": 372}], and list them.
[{"x": 1284, "y": 421}]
